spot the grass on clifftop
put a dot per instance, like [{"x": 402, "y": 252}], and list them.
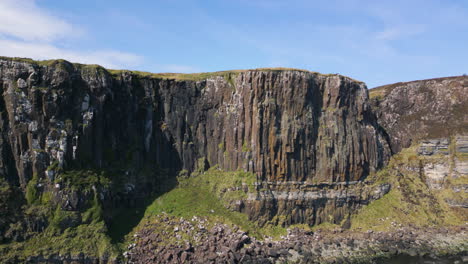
[{"x": 227, "y": 75}]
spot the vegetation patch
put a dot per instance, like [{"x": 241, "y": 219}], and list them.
[
  {"x": 200, "y": 196},
  {"x": 410, "y": 201},
  {"x": 209, "y": 195},
  {"x": 84, "y": 179},
  {"x": 89, "y": 239}
]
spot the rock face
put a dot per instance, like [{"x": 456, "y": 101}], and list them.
[
  {"x": 283, "y": 125},
  {"x": 299, "y": 202},
  {"x": 424, "y": 109},
  {"x": 444, "y": 166}
]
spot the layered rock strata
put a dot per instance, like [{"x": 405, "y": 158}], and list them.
[
  {"x": 312, "y": 204},
  {"x": 444, "y": 166}
]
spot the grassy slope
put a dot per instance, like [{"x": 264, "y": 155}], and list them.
[
  {"x": 207, "y": 195},
  {"x": 90, "y": 239},
  {"x": 89, "y": 234},
  {"x": 410, "y": 201}
]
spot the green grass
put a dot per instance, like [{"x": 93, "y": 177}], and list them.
[
  {"x": 227, "y": 75},
  {"x": 200, "y": 196},
  {"x": 208, "y": 195},
  {"x": 90, "y": 239},
  {"x": 36, "y": 62},
  {"x": 245, "y": 147}
]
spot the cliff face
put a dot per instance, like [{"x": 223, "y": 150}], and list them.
[
  {"x": 422, "y": 109},
  {"x": 282, "y": 125}
]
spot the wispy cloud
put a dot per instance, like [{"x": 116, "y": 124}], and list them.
[
  {"x": 42, "y": 51},
  {"x": 27, "y": 30},
  {"x": 400, "y": 31}
]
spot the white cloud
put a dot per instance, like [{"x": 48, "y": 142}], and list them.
[
  {"x": 42, "y": 51},
  {"x": 24, "y": 20},
  {"x": 29, "y": 31}
]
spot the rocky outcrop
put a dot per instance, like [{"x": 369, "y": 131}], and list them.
[
  {"x": 299, "y": 202},
  {"x": 424, "y": 109},
  {"x": 444, "y": 167}
]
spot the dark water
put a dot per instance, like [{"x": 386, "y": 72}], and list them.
[{"x": 405, "y": 259}]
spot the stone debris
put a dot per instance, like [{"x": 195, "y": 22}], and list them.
[{"x": 226, "y": 244}]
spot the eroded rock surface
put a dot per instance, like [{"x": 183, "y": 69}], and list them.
[{"x": 425, "y": 109}]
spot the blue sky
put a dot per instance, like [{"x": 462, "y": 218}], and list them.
[{"x": 378, "y": 42}]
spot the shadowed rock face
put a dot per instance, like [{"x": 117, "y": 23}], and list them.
[
  {"x": 284, "y": 126},
  {"x": 423, "y": 109}
]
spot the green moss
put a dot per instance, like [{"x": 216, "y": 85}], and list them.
[
  {"x": 245, "y": 148},
  {"x": 94, "y": 214},
  {"x": 46, "y": 197},
  {"x": 32, "y": 194},
  {"x": 84, "y": 179},
  {"x": 55, "y": 166}
]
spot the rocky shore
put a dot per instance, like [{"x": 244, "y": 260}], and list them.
[{"x": 166, "y": 239}]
